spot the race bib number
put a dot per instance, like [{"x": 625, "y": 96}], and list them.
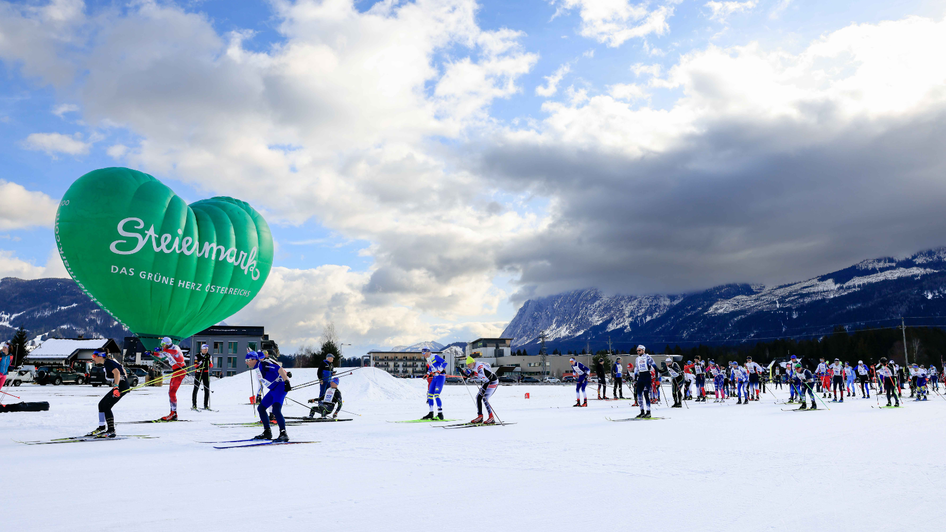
[{"x": 329, "y": 395}]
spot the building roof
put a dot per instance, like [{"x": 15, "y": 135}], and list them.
[
  {"x": 232, "y": 330},
  {"x": 61, "y": 349}
]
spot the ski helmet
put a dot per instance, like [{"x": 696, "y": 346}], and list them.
[
  {"x": 166, "y": 341},
  {"x": 425, "y": 350},
  {"x": 254, "y": 355},
  {"x": 860, "y": 361},
  {"x": 641, "y": 348}
]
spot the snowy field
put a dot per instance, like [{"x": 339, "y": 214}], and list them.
[{"x": 710, "y": 467}]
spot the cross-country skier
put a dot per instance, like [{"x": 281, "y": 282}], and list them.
[
  {"x": 700, "y": 374},
  {"x": 581, "y": 373},
  {"x": 331, "y": 399},
  {"x": 481, "y": 372},
  {"x": 821, "y": 373},
  {"x": 4, "y": 362},
  {"x": 631, "y": 381},
  {"x": 617, "y": 372},
  {"x": 115, "y": 373},
  {"x": 642, "y": 373},
  {"x": 719, "y": 382},
  {"x": 849, "y": 379},
  {"x": 919, "y": 373},
  {"x": 837, "y": 380},
  {"x": 934, "y": 377},
  {"x": 688, "y": 380},
  {"x": 437, "y": 375},
  {"x": 741, "y": 378},
  {"x": 602, "y": 383},
  {"x": 172, "y": 355},
  {"x": 326, "y": 372},
  {"x": 202, "y": 365},
  {"x": 805, "y": 382},
  {"x": 677, "y": 382},
  {"x": 270, "y": 374},
  {"x": 886, "y": 372},
  {"x": 863, "y": 378},
  {"x": 755, "y": 372}
]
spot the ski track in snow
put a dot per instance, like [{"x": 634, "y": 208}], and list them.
[{"x": 756, "y": 463}]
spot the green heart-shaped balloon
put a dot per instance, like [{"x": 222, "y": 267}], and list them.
[{"x": 159, "y": 266}]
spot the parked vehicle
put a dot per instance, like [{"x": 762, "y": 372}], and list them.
[
  {"x": 508, "y": 379},
  {"x": 551, "y": 380},
  {"x": 19, "y": 376},
  {"x": 529, "y": 380},
  {"x": 568, "y": 377},
  {"x": 56, "y": 376},
  {"x": 453, "y": 379}
]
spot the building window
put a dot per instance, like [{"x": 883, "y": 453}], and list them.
[
  {"x": 251, "y": 346},
  {"x": 218, "y": 348},
  {"x": 220, "y": 362},
  {"x": 231, "y": 373},
  {"x": 231, "y": 362},
  {"x": 231, "y": 348}
]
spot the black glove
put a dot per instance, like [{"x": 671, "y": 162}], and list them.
[
  {"x": 259, "y": 398},
  {"x": 288, "y": 387},
  {"x": 289, "y": 373}
]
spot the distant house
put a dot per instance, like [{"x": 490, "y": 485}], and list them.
[{"x": 67, "y": 352}]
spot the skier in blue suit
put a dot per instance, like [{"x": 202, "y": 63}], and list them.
[
  {"x": 436, "y": 376},
  {"x": 274, "y": 377},
  {"x": 581, "y": 372}
]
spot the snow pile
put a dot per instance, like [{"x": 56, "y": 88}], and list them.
[{"x": 375, "y": 385}]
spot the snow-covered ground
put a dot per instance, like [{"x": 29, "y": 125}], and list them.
[{"x": 709, "y": 467}]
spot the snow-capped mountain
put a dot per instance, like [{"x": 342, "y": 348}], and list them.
[
  {"x": 53, "y": 307},
  {"x": 873, "y": 292},
  {"x": 433, "y": 346}
]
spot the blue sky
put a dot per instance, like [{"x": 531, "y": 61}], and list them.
[{"x": 438, "y": 146}]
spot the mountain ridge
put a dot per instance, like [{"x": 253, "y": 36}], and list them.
[{"x": 870, "y": 291}]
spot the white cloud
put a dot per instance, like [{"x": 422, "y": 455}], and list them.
[
  {"x": 613, "y": 22},
  {"x": 23, "y": 208},
  {"x": 11, "y": 266},
  {"x": 117, "y": 151},
  {"x": 62, "y": 109},
  {"x": 651, "y": 70},
  {"x": 722, "y": 10},
  {"x": 366, "y": 99},
  {"x": 628, "y": 92},
  {"x": 551, "y": 82},
  {"x": 56, "y": 143}
]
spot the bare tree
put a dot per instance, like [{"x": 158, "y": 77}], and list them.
[{"x": 329, "y": 335}]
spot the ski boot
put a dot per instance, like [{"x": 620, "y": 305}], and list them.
[
  {"x": 170, "y": 417},
  {"x": 577, "y": 402},
  {"x": 440, "y": 415},
  {"x": 585, "y": 403},
  {"x": 814, "y": 406},
  {"x": 739, "y": 402},
  {"x": 430, "y": 415},
  {"x": 194, "y": 408},
  {"x": 266, "y": 435},
  {"x": 99, "y": 430},
  {"x": 105, "y": 435},
  {"x": 677, "y": 405},
  {"x": 282, "y": 436},
  {"x": 490, "y": 420},
  {"x": 646, "y": 415},
  {"x": 639, "y": 415},
  {"x": 477, "y": 419}
]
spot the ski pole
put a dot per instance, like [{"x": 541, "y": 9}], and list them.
[{"x": 10, "y": 394}]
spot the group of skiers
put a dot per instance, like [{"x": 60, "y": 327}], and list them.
[{"x": 745, "y": 382}]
